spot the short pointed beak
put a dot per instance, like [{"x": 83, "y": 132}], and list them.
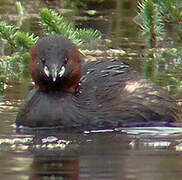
[{"x": 54, "y": 72}]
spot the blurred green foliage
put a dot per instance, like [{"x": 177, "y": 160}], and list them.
[
  {"x": 160, "y": 22},
  {"x": 155, "y": 16}
]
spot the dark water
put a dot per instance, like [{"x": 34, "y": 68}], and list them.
[{"x": 131, "y": 154}]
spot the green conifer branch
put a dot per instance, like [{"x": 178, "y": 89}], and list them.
[
  {"x": 88, "y": 34},
  {"x": 25, "y": 40},
  {"x": 15, "y": 38},
  {"x": 7, "y": 32},
  {"x": 152, "y": 25},
  {"x": 53, "y": 22}
]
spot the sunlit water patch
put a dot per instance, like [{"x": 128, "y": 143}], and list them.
[
  {"x": 154, "y": 131},
  {"x": 150, "y": 137}
]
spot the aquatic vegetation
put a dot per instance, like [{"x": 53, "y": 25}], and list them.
[
  {"x": 155, "y": 16},
  {"x": 153, "y": 26},
  {"x": 160, "y": 23},
  {"x": 164, "y": 66},
  {"x": 14, "y": 65}
]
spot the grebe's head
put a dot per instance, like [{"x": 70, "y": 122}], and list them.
[{"x": 55, "y": 63}]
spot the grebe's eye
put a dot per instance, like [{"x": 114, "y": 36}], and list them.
[
  {"x": 65, "y": 60},
  {"x": 43, "y": 60}
]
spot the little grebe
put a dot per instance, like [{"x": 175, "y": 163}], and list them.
[{"x": 89, "y": 95}]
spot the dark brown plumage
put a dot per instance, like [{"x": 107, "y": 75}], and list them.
[{"x": 100, "y": 94}]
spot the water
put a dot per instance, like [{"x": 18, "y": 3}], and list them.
[
  {"x": 125, "y": 154},
  {"x": 128, "y": 154}
]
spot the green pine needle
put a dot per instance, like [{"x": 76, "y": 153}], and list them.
[
  {"x": 153, "y": 25},
  {"x": 7, "y": 32},
  {"x": 25, "y": 40},
  {"x": 89, "y": 34},
  {"x": 54, "y": 23},
  {"x": 170, "y": 10}
]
